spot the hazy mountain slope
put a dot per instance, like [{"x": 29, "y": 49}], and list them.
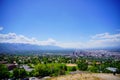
[{"x": 11, "y": 47}]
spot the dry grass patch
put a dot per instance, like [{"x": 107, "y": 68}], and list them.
[
  {"x": 71, "y": 65},
  {"x": 107, "y": 76},
  {"x": 87, "y": 76}
]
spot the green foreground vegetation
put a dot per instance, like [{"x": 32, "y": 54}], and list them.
[{"x": 52, "y": 65}]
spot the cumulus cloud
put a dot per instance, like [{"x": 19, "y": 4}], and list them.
[
  {"x": 105, "y": 40},
  {"x": 96, "y": 41},
  {"x": 14, "y": 38},
  {"x": 106, "y": 36},
  {"x": 1, "y": 28}
]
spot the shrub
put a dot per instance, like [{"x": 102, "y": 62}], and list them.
[
  {"x": 52, "y": 69},
  {"x": 82, "y": 65},
  {"x": 93, "y": 69},
  {"x": 71, "y": 68}
]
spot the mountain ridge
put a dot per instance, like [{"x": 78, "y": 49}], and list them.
[{"x": 11, "y": 47}]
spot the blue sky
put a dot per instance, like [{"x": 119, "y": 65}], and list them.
[{"x": 61, "y": 20}]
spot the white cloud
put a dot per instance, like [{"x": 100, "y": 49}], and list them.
[
  {"x": 1, "y": 28},
  {"x": 105, "y": 40},
  {"x": 96, "y": 41},
  {"x": 13, "y": 38},
  {"x": 106, "y": 36}
]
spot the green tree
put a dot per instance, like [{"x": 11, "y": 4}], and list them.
[
  {"x": 16, "y": 73},
  {"x": 93, "y": 69},
  {"x": 82, "y": 65},
  {"x": 4, "y": 73},
  {"x": 41, "y": 70},
  {"x": 52, "y": 69},
  {"x": 19, "y": 73}
]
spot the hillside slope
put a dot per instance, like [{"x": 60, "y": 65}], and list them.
[{"x": 87, "y": 76}]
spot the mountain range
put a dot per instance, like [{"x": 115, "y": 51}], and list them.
[
  {"x": 20, "y": 47},
  {"x": 13, "y": 47}
]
